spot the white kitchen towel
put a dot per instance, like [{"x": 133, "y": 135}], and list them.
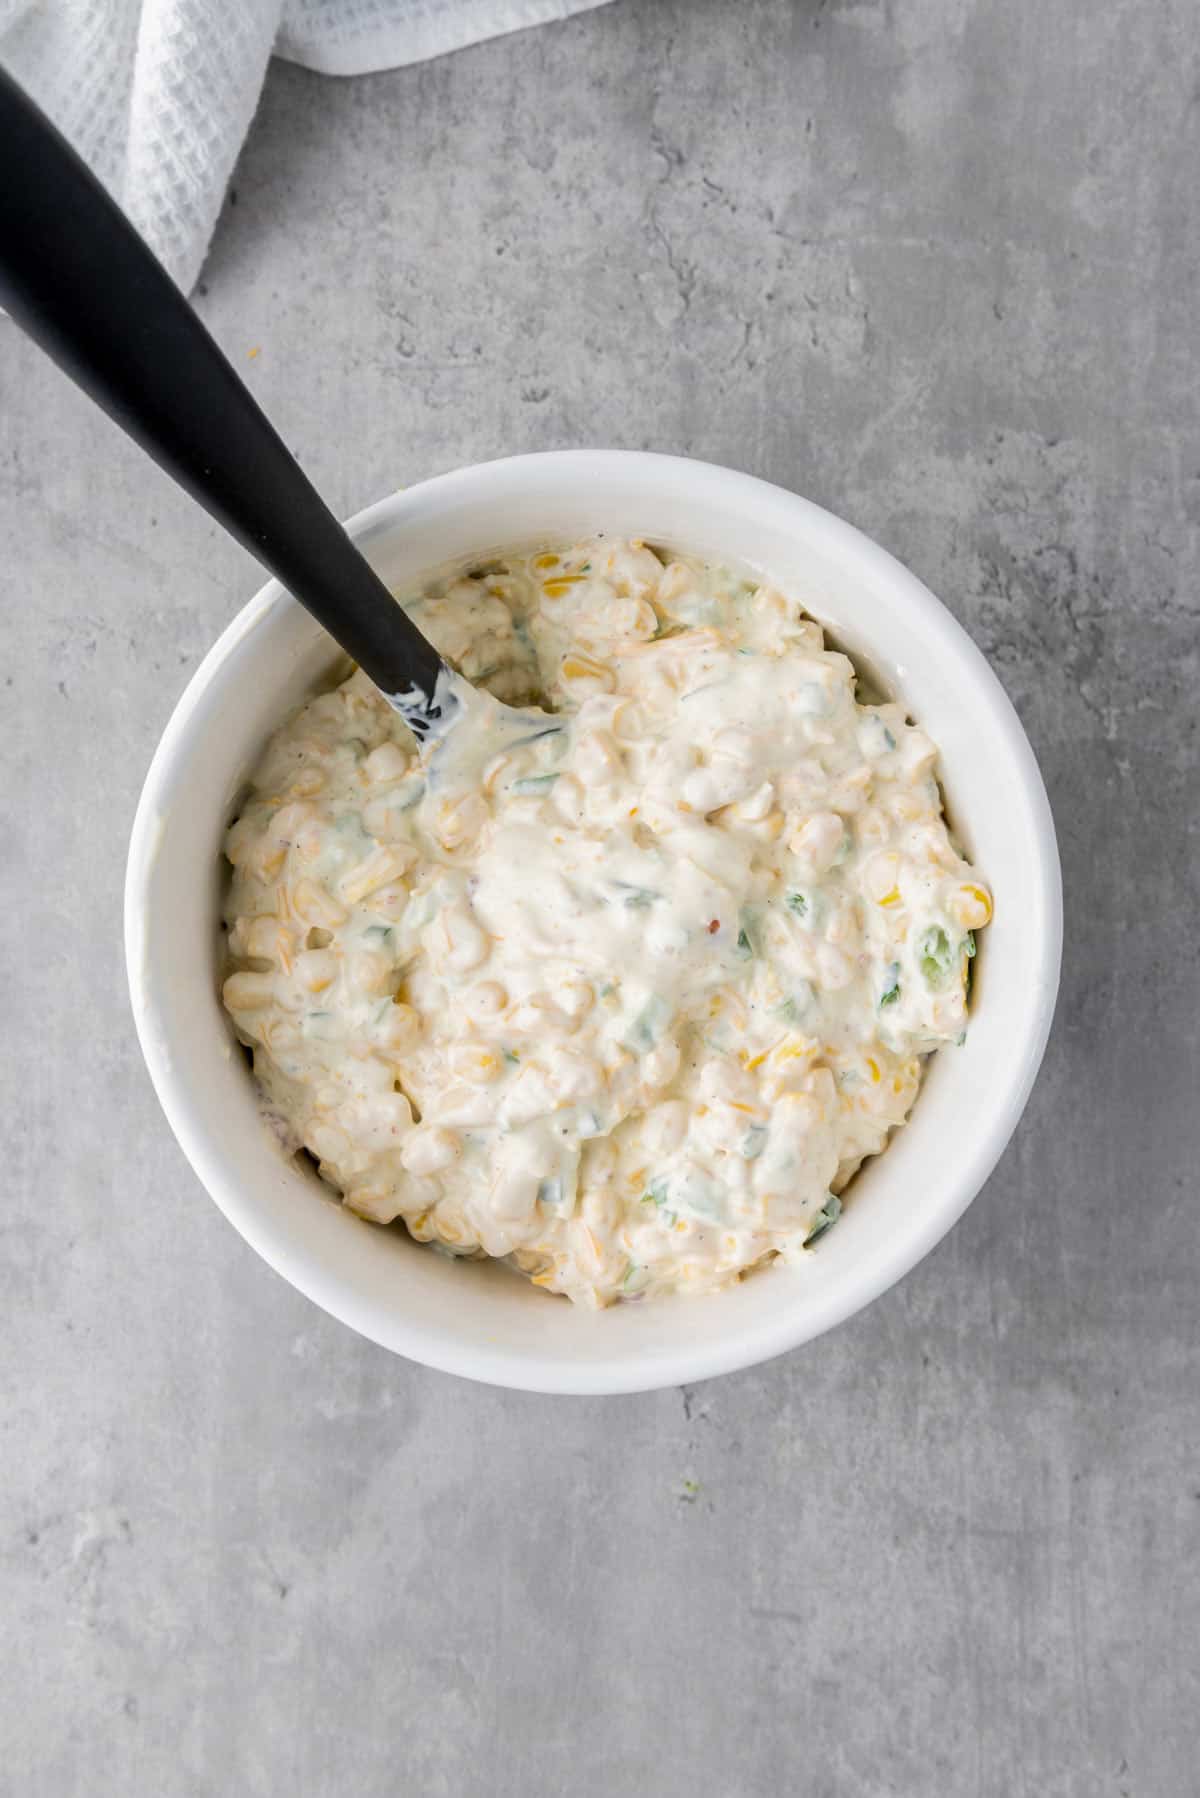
[{"x": 157, "y": 95}]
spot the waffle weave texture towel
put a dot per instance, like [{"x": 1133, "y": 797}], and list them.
[{"x": 158, "y": 95}]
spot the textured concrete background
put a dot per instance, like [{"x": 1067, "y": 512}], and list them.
[{"x": 935, "y": 264}]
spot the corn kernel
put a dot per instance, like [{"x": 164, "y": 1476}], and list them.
[
  {"x": 248, "y": 992},
  {"x": 316, "y": 969},
  {"x": 476, "y": 1063},
  {"x": 577, "y": 668},
  {"x": 376, "y": 870},
  {"x": 312, "y": 904},
  {"x": 971, "y": 907}
]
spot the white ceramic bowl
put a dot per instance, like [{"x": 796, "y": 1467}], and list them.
[{"x": 478, "y": 1319}]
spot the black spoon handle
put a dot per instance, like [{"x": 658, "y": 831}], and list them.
[{"x": 78, "y": 278}]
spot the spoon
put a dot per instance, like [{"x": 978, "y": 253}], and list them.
[{"x": 77, "y": 277}]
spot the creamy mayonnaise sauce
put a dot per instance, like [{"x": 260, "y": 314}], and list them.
[{"x": 625, "y": 993}]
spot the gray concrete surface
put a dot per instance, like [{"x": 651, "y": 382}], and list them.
[{"x": 934, "y": 263}]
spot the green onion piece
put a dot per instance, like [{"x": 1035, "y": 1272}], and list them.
[
  {"x": 748, "y": 943},
  {"x": 656, "y": 1195},
  {"x": 891, "y": 984},
  {"x": 636, "y": 898},
  {"x": 826, "y": 1218},
  {"x": 934, "y": 955},
  {"x": 533, "y": 785},
  {"x": 644, "y": 1030},
  {"x": 547, "y": 730},
  {"x": 754, "y": 1142}
]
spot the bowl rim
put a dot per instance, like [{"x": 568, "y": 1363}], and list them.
[{"x": 533, "y": 1370}]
